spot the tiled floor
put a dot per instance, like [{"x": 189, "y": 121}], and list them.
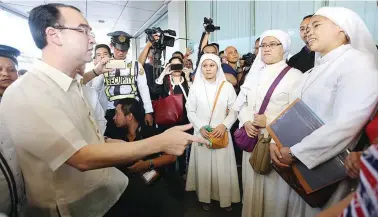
[{"x": 188, "y": 206}]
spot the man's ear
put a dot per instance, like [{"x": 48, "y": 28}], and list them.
[{"x": 52, "y": 36}]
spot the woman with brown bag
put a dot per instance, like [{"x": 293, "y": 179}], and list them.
[
  {"x": 172, "y": 81},
  {"x": 263, "y": 97},
  {"x": 212, "y": 173}
]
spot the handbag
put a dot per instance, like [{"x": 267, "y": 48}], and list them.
[
  {"x": 242, "y": 140},
  {"x": 169, "y": 110},
  {"x": 260, "y": 159},
  {"x": 316, "y": 199},
  {"x": 222, "y": 142}
]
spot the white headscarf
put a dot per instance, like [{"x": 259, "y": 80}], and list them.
[
  {"x": 354, "y": 27},
  {"x": 258, "y": 64},
  {"x": 199, "y": 77}
]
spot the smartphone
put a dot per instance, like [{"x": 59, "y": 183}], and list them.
[
  {"x": 176, "y": 67},
  {"x": 116, "y": 64},
  {"x": 191, "y": 46}
]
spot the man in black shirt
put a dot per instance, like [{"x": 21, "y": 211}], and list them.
[{"x": 305, "y": 59}]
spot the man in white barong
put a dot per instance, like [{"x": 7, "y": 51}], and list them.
[
  {"x": 341, "y": 89},
  {"x": 212, "y": 173},
  {"x": 259, "y": 191}
]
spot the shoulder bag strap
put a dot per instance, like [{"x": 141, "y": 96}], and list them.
[
  {"x": 215, "y": 102},
  {"x": 171, "y": 90},
  {"x": 274, "y": 84}
]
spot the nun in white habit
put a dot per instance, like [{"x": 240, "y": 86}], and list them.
[
  {"x": 341, "y": 89},
  {"x": 259, "y": 191},
  {"x": 212, "y": 173}
]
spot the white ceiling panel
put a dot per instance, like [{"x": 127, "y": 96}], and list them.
[
  {"x": 94, "y": 20},
  {"x": 128, "y": 16},
  {"x": 102, "y": 9},
  {"x": 24, "y": 3},
  {"x": 133, "y": 14},
  {"x": 145, "y": 5},
  {"x": 22, "y": 8},
  {"x": 122, "y": 3},
  {"x": 80, "y": 4},
  {"x": 130, "y": 24}
]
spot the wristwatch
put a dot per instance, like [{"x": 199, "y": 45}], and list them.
[{"x": 151, "y": 165}]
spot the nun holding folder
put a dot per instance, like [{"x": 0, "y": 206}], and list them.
[{"x": 341, "y": 89}]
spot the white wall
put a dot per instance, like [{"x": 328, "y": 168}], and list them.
[
  {"x": 243, "y": 21},
  {"x": 176, "y": 21}
]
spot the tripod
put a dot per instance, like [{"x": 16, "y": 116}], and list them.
[{"x": 157, "y": 63}]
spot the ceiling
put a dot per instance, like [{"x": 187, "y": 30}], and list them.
[{"x": 106, "y": 16}]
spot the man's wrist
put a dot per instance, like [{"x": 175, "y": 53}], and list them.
[
  {"x": 292, "y": 155},
  {"x": 95, "y": 72},
  {"x": 160, "y": 142}
]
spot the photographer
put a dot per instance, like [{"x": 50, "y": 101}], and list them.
[
  {"x": 157, "y": 40},
  {"x": 173, "y": 81},
  {"x": 148, "y": 52}
]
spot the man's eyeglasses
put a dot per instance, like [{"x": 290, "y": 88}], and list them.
[
  {"x": 83, "y": 30},
  {"x": 271, "y": 45}
]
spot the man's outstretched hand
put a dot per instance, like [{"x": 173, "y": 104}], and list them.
[{"x": 174, "y": 140}]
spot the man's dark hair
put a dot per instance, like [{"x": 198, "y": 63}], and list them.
[
  {"x": 178, "y": 52},
  {"x": 308, "y": 16},
  {"x": 130, "y": 105},
  {"x": 102, "y": 46},
  {"x": 221, "y": 52},
  {"x": 42, "y": 17},
  {"x": 259, "y": 38},
  {"x": 215, "y": 45}
]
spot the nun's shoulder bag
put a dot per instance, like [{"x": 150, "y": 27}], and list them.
[{"x": 222, "y": 142}]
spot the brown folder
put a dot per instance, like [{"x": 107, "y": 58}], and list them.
[{"x": 316, "y": 185}]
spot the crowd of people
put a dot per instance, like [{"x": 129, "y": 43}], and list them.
[{"x": 108, "y": 142}]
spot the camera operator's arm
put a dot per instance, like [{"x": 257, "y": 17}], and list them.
[
  {"x": 231, "y": 79},
  {"x": 143, "y": 56},
  {"x": 239, "y": 77},
  {"x": 203, "y": 43},
  {"x": 205, "y": 40}
]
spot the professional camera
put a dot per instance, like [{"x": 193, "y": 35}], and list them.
[
  {"x": 159, "y": 46},
  {"x": 165, "y": 37},
  {"x": 249, "y": 59},
  {"x": 209, "y": 26}
]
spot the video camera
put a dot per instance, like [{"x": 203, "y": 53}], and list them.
[
  {"x": 165, "y": 37},
  {"x": 249, "y": 59},
  {"x": 209, "y": 26}
]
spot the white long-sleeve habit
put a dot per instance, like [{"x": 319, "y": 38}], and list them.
[
  {"x": 212, "y": 173},
  {"x": 344, "y": 95},
  {"x": 259, "y": 191}
]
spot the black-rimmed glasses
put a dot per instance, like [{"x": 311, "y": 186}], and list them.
[
  {"x": 271, "y": 45},
  {"x": 83, "y": 30}
]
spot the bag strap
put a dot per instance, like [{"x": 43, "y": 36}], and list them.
[
  {"x": 170, "y": 86},
  {"x": 215, "y": 102},
  {"x": 274, "y": 84}
]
